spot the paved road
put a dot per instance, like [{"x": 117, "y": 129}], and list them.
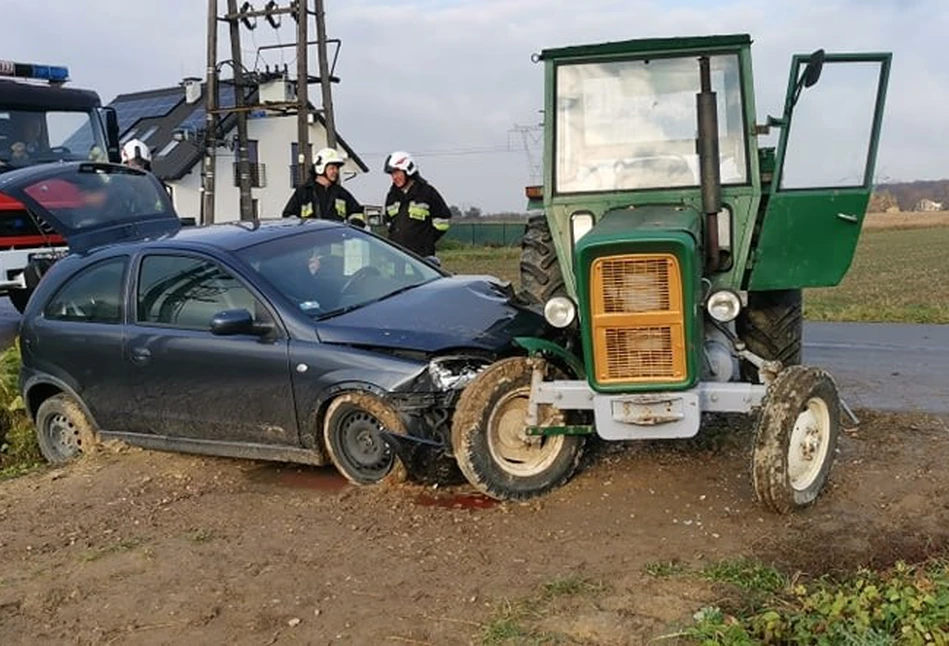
[{"x": 882, "y": 366}]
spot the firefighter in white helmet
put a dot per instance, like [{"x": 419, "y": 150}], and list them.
[
  {"x": 137, "y": 155},
  {"x": 415, "y": 211},
  {"x": 323, "y": 196}
]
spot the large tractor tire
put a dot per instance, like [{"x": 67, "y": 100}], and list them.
[
  {"x": 541, "y": 277},
  {"x": 772, "y": 327}
]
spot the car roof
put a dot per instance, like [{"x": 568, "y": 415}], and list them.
[{"x": 232, "y": 236}]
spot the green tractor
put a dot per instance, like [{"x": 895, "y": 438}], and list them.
[{"x": 671, "y": 258}]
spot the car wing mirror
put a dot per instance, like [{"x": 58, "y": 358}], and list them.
[
  {"x": 241, "y": 321},
  {"x": 433, "y": 261}
]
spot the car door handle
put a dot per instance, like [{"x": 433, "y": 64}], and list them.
[{"x": 141, "y": 355}]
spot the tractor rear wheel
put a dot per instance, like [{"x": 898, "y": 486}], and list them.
[
  {"x": 772, "y": 327},
  {"x": 541, "y": 277}
]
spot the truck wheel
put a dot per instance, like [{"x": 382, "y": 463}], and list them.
[
  {"x": 772, "y": 327},
  {"x": 356, "y": 447},
  {"x": 541, "y": 277},
  {"x": 796, "y": 438},
  {"x": 490, "y": 442},
  {"x": 19, "y": 298}
]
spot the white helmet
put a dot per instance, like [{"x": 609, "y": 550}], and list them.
[
  {"x": 324, "y": 157},
  {"x": 136, "y": 149},
  {"x": 400, "y": 160}
]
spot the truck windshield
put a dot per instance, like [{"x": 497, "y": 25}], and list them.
[
  {"x": 30, "y": 137},
  {"x": 627, "y": 125}
]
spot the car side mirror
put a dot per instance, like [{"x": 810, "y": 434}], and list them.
[
  {"x": 433, "y": 261},
  {"x": 231, "y": 322}
]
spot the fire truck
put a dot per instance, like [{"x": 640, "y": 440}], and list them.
[{"x": 42, "y": 122}]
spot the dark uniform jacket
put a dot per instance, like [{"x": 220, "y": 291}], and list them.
[
  {"x": 333, "y": 202},
  {"x": 417, "y": 218}
]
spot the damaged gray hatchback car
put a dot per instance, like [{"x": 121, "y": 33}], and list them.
[{"x": 299, "y": 341}]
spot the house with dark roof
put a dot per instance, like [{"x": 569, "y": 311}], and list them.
[{"x": 171, "y": 122}]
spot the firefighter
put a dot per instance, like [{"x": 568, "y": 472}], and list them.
[
  {"x": 323, "y": 196},
  {"x": 137, "y": 155},
  {"x": 415, "y": 211}
]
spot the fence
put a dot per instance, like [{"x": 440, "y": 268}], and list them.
[{"x": 484, "y": 234}]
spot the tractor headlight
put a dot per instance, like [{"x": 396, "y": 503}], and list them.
[
  {"x": 454, "y": 373},
  {"x": 560, "y": 311},
  {"x": 723, "y": 305}
]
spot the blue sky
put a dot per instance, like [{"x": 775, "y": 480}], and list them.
[{"x": 448, "y": 79}]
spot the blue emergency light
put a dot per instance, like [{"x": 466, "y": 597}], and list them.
[{"x": 51, "y": 73}]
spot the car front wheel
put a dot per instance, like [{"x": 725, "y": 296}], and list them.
[{"x": 353, "y": 434}]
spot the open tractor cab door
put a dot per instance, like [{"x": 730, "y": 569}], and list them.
[{"x": 671, "y": 256}]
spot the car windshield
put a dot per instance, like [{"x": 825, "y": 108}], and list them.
[
  {"x": 29, "y": 137},
  {"x": 329, "y": 271},
  {"x": 627, "y": 125}
]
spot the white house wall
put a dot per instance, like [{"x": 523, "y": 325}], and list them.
[{"x": 274, "y": 136}]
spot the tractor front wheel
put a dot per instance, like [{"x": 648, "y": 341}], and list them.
[
  {"x": 796, "y": 438},
  {"x": 490, "y": 441}
]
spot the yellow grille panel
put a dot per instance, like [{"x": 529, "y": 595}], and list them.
[
  {"x": 635, "y": 285},
  {"x": 638, "y": 319}
]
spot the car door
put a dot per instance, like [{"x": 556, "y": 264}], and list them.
[
  {"x": 187, "y": 382},
  {"x": 78, "y": 337}
]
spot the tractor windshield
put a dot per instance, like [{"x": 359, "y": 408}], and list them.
[{"x": 633, "y": 124}]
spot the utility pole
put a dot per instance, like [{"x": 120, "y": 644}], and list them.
[
  {"x": 325, "y": 80},
  {"x": 210, "y": 120},
  {"x": 243, "y": 163},
  {"x": 303, "y": 95}
]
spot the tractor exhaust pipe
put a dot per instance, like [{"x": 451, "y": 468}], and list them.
[{"x": 708, "y": 162}]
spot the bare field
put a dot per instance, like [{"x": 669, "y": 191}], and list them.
[
  {"x": 906, "y": 220},
  {"x": 141, "y": 547}
]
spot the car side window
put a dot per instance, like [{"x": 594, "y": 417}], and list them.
[
  {"x": 93, "y": 295},
  {"x": 186, "y": 292}
]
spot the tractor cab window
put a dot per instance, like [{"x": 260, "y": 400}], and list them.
[{"x": 628, "y": 125}]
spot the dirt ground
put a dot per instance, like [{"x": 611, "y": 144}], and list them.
[{"x": 140, "y": 547}]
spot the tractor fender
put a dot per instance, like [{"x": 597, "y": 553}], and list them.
[{"x": 536, "y": 346}]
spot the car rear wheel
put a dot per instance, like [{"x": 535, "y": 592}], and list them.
[
  {"x": 353, "y": 434},
  {"x": 63, "y": 431},
  {"x": 490, "y": 441}
]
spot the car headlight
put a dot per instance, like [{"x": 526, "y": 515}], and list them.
[
  {"x": 454, "y": 373},
  {"x": 723, "y": 305},
  {"x": 560, "y": 311}
]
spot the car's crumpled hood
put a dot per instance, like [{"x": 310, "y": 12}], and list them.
[{"x": 456, "y": 312}]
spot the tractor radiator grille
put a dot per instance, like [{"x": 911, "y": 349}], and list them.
[{"x": 638, "y": 322}]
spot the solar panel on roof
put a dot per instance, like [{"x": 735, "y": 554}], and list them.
[
  {"x": 130, "y": 111},
  {"x": 195, "y": 120}
]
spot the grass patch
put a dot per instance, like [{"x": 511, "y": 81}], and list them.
[
  {"x": 666, "y": 569},
  {"x": 19, "y": 452},
  {"x": 902, "y": 605},
  {"x": 897, "y": 276},
  {"x": 114, "y": 548},
  {"x": 511, "y": 622}
]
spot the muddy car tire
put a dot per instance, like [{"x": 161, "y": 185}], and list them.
[
  {"x": 795, "y": 439},
  {"x": 541, "y": 276},
  {"x": 772, "y": 327},
  {"x": 490, "y": 444},
  {"x": 354, "y": 444},
  {"x": 63, "y": 431}
]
